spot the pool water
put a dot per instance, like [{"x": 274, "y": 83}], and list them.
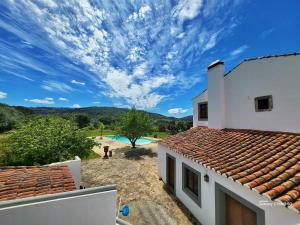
[{"x": 140, "y": 141}]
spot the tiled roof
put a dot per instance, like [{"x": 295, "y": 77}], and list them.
[
  {"x": 21, "y": 182},
  {"x": 266, "y": 162}
]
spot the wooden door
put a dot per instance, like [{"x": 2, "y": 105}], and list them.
[
  {"x": 238, "y": 214},
  {"x": 171, "y": 173}
]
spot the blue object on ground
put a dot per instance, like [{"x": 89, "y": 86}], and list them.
[{"x": 125, "y": 210}]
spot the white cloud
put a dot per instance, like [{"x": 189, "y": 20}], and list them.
[
  {"x": 133, "y": 52},
  {"x": 3, "y": 95},
  {"x": 46, "y": 101},
  {"x": 188, "y": 9},
  {"x": 120, "y": 105},
  {"x": 141, "y": 14},
  {"x": 239, "y": 50},
  {"x": 63, "y": 99},
  {"x": 77, "y": 82},
  {"x": 56, "y": 86},
  {"x": 212, "y": 41},
  {"x": 96, "y": 103},
  {"x": 177, "y": 111},
  {"x": 136, "y": 54},
  {"x": 140, "y": 94},
  {"x": 76, "y": 106},
  {"x": 266, "y": 33},
  {"x": 140, "y": 70}
]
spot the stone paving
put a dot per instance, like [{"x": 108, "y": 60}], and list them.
[{"x": 134, "y": 171}]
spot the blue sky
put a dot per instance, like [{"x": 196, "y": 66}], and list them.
[{"x": 151, "y": 54}]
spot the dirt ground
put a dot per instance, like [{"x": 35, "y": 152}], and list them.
[{"x": 134, "y": 171}]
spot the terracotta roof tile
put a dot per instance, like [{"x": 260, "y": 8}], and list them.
[
  {"x": 267, "y": 162},
  {"x": 22, "y": 181}
]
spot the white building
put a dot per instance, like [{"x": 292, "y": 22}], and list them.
[
  {"x": 240, "y": 163},
  {"x": 50, "y": 195}
]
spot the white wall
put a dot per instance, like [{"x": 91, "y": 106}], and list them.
[
  {"x": 203, "y": 97},
  {"x": 91, "y": 209},
  {"x": 277, "y": 76},
  {"x": 275, "y": 215},
  {"x": 74, "y": 166},
  {"x": 216, "y": 98}
]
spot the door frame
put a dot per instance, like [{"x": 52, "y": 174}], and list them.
[
  {"x": 173, "y": 190},
  {"x": 220, "y": 205}
]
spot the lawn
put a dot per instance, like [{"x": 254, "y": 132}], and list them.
[
  {"x": 92, "y": 155},
  {"x": 96, "y": 132},
  {"x": 161, "y": 135}
]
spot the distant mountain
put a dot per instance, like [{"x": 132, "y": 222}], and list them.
[
  {"x": 93, "y": 112},
  {"x": 105, "y": 114},
  {"x": 188, "y": 118}
]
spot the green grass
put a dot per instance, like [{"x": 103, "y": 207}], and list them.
[
  {"x": 161, "y": 135},
  {"x": 92, "y": 155},
  {"x": 96, "y": 132}
]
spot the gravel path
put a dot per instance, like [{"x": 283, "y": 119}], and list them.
[{"x": 135, "y": 174}]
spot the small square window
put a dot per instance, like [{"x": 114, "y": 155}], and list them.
[
  {"x": 263, "y": 103},
  {"x": 202, "y": 111},
  {"x": 191, "y": 183}
]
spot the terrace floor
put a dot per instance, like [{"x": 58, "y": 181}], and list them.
[{"x": 135, "y": 174}]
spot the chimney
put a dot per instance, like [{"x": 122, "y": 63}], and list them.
[{"x": 216, "y": 95}]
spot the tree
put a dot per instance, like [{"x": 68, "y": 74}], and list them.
[
  {"x": 134, "y": 124},
  {"x": 45, "y": 140},
  {"x": 9, "y": 117},
  {"x": 82, "y": 120},
  {"x": 101, "y": 128}
]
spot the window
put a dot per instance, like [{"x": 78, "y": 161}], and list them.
[
  {"x": 202, "y": 111},
  {"x": 191, "y": 183},
  {"x": 263, "y": 103},
  {"x": 171, "y": 172}
]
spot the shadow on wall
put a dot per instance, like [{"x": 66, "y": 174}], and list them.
[{"x": 138, "y": 153}]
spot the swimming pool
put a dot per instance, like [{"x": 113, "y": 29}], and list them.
[{"x": 140, "y": 141}]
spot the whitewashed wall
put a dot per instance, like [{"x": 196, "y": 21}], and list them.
[
  {"x": 74, "y": 166},
  {"x": 200, "y": 98},
  {"x": 277, "y": 76},
  {"x": 97, "y": 208},
  {"x": 274, "y": 215}
]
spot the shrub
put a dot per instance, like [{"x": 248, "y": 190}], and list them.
[{"x": 46, "y": 140}]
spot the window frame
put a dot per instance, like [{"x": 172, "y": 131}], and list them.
[
  {"x": 269, "y": 98},
  {"x": 186, "y": 190},
  {"x": 199, "y": 112}
]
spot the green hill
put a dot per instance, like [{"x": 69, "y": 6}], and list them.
[{"x": 106, "y": 115}]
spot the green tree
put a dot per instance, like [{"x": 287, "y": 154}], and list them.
[
  {"x": 134, "y": 124},
  {"x": 9, "y": 117},
  {"x": 101, "y": 128},
  {"x": 45, "y": 140},
  {"x": 82, "y": 120}
]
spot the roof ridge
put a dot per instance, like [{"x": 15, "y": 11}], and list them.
[{"x": 261, "y": 57}]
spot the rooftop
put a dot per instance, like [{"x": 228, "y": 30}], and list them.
[
  {"x": 28, "y": 181},
  {"x": 265, "y": 162}
]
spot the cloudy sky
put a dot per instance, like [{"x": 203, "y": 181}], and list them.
[{"x": 151, "y": 54}]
